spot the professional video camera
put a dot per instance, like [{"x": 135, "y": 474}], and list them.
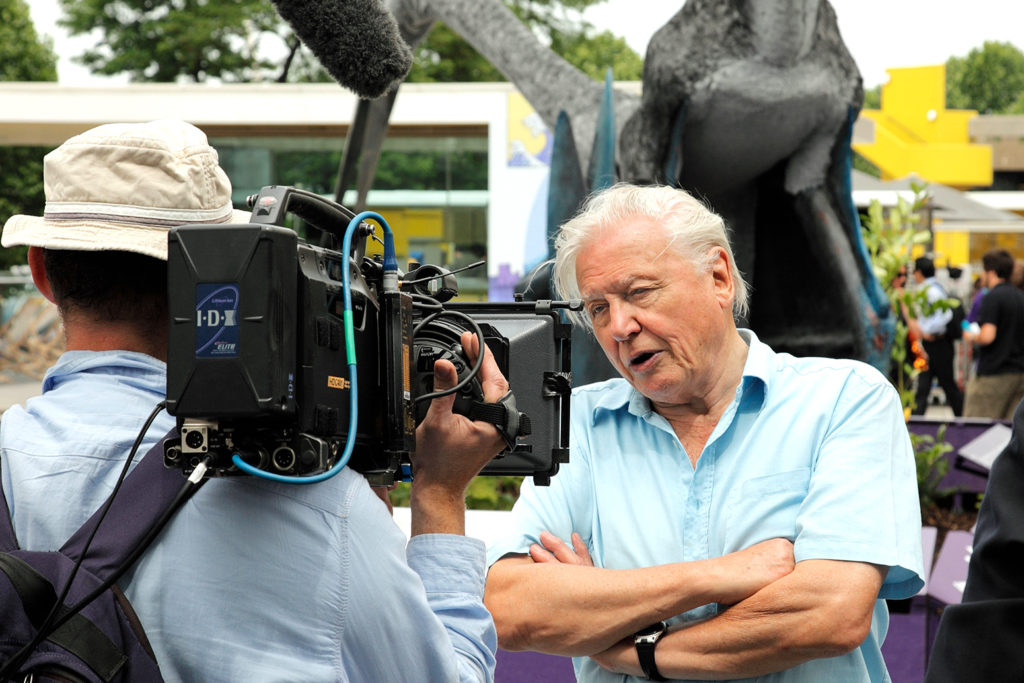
[{"x": 265, "y": 330}]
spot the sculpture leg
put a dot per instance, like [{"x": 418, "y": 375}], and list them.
[{"x": 738, "y": 208}]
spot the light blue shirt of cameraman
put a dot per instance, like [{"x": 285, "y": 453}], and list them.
[
  {"x": 251, "y": 580},
  {"x": 814, "y": 450}
]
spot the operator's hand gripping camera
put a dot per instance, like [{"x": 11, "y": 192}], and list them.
[{"x": 292, "y": 359}]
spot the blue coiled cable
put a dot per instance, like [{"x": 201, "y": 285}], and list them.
[{"x": 390, "y": 284}]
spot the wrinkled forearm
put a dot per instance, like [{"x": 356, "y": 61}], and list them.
[
  {"x": 576, "y": 610},
  {"x": 436, "y": 510},
  {"x": 823, "y": 611},
  {"x": 744, "y": 644}
]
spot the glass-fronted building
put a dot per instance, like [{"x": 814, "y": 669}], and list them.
[{"x": 462, "y": 176}]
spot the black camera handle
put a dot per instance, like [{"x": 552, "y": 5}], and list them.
[
  {"x": 273, "y": 202},
  {"x": 502, "y": 414}
]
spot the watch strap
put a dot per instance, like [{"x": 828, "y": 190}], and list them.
[{"x": 645, "y": 642}]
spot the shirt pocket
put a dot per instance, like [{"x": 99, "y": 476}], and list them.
[{"x": 766, "y": 507}]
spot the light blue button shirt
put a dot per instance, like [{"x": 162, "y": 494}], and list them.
[
  {"x": 251, "y": 580},
  {"x": 813, "y": 450},
  {"x": 935, "y": 323}
]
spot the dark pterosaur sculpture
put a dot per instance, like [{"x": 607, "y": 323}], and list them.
[{"x": 746, "y": 103}]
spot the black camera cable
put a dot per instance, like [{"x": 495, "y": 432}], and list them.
[
  {"x": 426, "y": 302},
  {"x": 503, "y": 414},
  {"x": 58, "y": 616},
  {"x": 477, "y": 264},
  {"x": 479, "y": 356}
]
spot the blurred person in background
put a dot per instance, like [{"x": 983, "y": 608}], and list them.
[
  {"x": 931, "y": 330},
  {"x": 998, "y": 384}
]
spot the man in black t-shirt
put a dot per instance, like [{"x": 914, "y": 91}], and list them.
[{"x": 999, "y": 384}]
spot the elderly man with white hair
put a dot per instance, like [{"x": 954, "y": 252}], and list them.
[{"x": 655, "y": 552}]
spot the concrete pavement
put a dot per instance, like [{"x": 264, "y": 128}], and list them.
[{"x": 18, "y": 391}]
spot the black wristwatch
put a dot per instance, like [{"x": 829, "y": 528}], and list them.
[{"x": 645, "y": 639}]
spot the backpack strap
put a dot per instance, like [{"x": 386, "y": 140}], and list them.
[
  {"x": 145, "y": 495},
  {"x": 146, "y": 492},
  {"x": 8, "y": 541},
  {"x": 80, "y": 636}
]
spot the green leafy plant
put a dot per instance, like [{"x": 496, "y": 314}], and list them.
[
  {"x": 493, "y": 493},
  {"x": 890, "y": 237},
  {"x": 932, "y": 466}
]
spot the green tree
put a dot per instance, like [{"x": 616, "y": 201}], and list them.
[
  {"x": 873, "y": 98},
  {"x": 162, "y": 41},
  {"x": 860, "y": 163},
  {"x": 229, "y": 40},
  {"x": 431, "y": 170},
  {"x": 1018, "y": 106},
  {"x": 560, "y": 24},
  {"x": 444, "y": 57},
  {"x": 989, "y": 79},
  {"x": 594, "y": 53},
  {"x": 24, "y": 56}
]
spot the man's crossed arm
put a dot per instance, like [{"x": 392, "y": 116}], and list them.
[{"x": 556, "y": 601}]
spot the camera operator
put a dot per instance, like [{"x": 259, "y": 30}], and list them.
[{"x": 251, "y": 580}]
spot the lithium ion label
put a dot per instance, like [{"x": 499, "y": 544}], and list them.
[{"x": 216, "y": 320}]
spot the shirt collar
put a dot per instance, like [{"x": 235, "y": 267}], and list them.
[
  {"x": 755, "y": 382},
  {"x": 130, "y": 367},
  {"x": 757, "y": 371}
]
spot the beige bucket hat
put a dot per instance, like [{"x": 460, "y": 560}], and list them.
[{"x": 123, "y": 186}]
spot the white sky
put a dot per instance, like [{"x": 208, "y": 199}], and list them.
[{"x": 880, "y": 34}]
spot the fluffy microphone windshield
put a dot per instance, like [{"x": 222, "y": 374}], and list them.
[{"x": 356, "y": 41}]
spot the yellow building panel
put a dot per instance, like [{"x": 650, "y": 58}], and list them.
[
  {"x": 916, "y": 135},
  {"x": 981, "y": 242},
  {"x": 416, "y": 224},
  {"x": 953, "y": 248}
]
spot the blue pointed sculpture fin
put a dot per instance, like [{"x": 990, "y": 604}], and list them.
[
  {"x": 674, "y": 161},
  {"x": 601, "y": 173},
  {"x": 566, "y": 191}
]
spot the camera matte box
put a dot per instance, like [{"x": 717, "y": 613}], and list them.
[{"x": 533, "y": 352}]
